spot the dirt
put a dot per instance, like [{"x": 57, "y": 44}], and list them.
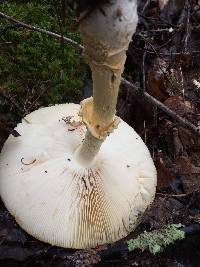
[{"x": 163, "y": 60}]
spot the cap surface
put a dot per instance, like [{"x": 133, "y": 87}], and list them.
[{"x": 60, "y": 202}]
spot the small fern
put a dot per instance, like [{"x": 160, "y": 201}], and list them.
[{"x": 157, "y": 240}]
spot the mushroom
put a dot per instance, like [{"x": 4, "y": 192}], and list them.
[{"x": 81, "y": 178}]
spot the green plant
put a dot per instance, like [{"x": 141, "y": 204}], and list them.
[
  {"x": 157, "y": 240},
  {"x": 31, "y": 63}
]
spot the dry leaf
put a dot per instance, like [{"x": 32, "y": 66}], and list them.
[
  {"x": 185, "y": 166},
  {"x": 189, "y": 173},
  {"x": 187, "y": 138},
  {"x": 156, "y": 80},
  {"x": 178, "y": 146},
  {"x": 179, "y": 105},
  {"x": 164, "y": 176}
]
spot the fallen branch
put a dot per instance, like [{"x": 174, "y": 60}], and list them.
[
  {"x": 138, "y": 91},
  {"x": 52, "y": 34}
]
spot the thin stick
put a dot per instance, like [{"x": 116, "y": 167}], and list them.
[
  {"x": 171, "y": 195},
  {"x": 187, "y": 35},
  {"x": 145, "y": 6},
  {"x": 52, "y": 34},
  {"x": 143, "y": 71}
]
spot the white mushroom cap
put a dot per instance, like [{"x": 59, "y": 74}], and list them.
[{"x": 57, "y": 200}]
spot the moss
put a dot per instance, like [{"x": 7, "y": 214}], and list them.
[
  {"x": 157, "y": 240},
  {"x": 31, "y": 63}
]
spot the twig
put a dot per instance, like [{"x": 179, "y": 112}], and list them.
[
  {"x": 187, "y": 35},
  {"x": 167, "y": 54},
  {"x": 52, "y": 34},
  {"x": 143, "y": 70},
  {"x": 6, "y": 43},
  {"x": 159, "y": 30},
  {"x": 145, "y": 6},
  {"x": 171, "y": 195},
  {"x": 154, "y": 101}
]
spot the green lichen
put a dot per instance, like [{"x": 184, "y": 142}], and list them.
[{"x": 157, "y": 240}]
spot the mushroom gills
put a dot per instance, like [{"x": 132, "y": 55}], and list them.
[{"x": 61, "y": 202}]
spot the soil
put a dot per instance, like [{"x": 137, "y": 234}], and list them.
[{"x": 163, "y": 60}]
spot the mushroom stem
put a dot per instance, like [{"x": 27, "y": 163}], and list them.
[
  {"x": 102, "y": 107},
  {"x": 86, "y": 153},
  {"x": 106, "y": 36},
  {"x": 106, "y": 81}
]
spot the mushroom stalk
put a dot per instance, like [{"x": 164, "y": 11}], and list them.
[
  {"x": 99, "y": 112},
  {"x": 106, "y": 36},
  {"x": 86, "y": 153},
  {"x": 106, "y": 86}
]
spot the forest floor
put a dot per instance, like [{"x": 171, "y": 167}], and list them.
[{"x": 163, "y": 61}]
